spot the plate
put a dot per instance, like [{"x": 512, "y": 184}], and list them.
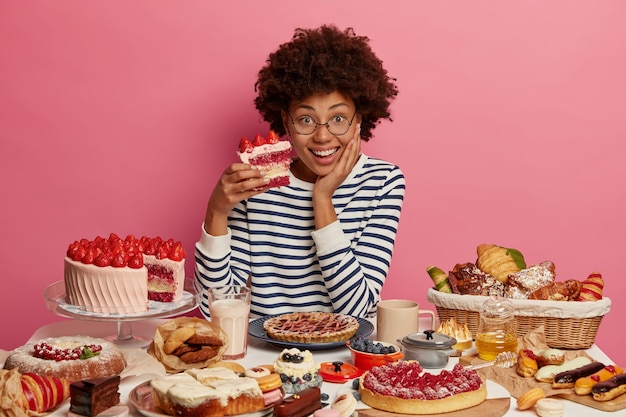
[
  {"x": 141, "y": 398},
  {"x": 256, "y": 329},
  {"x": 57, "y": 303}
]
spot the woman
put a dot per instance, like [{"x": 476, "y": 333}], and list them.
[{"x": 325, "y": 241}]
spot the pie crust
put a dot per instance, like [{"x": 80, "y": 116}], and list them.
[{"x": 311, "y": 327}]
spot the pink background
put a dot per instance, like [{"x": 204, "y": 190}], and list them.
[{"x": 118, "y": 116}]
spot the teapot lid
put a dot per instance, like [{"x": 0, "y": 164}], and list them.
[{"x": 429, "y": 339}]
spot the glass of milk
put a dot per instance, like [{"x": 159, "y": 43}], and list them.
[{"x": 229, "y": 307}]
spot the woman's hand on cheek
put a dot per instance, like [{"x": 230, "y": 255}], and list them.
[{"x": 350, "y": 155}]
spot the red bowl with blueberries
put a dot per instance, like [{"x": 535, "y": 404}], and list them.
[{"x": 368, "y": 353}]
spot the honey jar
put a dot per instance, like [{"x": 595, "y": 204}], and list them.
[{"x": 496, "y": 330}]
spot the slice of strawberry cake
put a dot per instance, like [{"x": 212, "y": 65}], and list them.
[
  {"x": 118, "y": 276},
  {"x": 270, "y": 154}
]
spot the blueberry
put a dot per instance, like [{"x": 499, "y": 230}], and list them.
[
  {"x": 355, "y": 383},
  {"x": 324, "y": 397}
]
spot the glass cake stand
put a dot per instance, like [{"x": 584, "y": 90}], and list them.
[{"x": 56, "y": 301}]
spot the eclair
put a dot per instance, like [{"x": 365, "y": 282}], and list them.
[
  {"x": 609, "y": 389},
  {"x": 567, "y": 379},
  {"x": 583, "y": 385},
  {"x": 547, "y": 373}
]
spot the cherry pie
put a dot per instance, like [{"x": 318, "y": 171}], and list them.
[{"x": 311, "y": 327}]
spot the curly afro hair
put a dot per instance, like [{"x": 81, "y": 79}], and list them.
[{"x": 324, "y": 60}]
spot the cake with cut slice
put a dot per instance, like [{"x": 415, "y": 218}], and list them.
[
  {"x": 118, "y": 276},
  {"x": 92, "y": 396},
  {"x": 269, "y": 154}
]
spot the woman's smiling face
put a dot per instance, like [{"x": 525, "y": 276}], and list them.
[{"x": 320, "y": 150}]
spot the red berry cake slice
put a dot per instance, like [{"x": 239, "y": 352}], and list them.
[
  {"x": 270, "y": 154},
  {"x": 119, "y": 276}
]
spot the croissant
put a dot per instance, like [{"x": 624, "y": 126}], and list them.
[
  {"x": 592, "y": 288},
  {"x": 30, "y": 394},
  {"x": 499, "y": 262},
  {"x": 440, "y": 279},
  {"x": 558, "y": 291}
]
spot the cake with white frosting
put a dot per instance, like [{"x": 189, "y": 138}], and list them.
[
  {"x": 211, "y": 392},
  {"x": 119, "y": 276}
]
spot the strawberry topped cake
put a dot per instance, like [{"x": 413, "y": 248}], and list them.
[
  {"x": 269, "y": 154},
  {"x": 118, "y": 276}
]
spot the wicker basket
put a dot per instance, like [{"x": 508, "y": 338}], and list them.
[{"x": 567, "y": 325}]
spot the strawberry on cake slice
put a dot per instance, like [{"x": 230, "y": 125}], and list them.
[{"x": 269, "y": 154}]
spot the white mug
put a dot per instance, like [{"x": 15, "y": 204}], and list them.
[{"x": 396, "y": 319}]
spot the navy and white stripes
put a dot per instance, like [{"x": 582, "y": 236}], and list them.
[{"x": 339, "y": 268}]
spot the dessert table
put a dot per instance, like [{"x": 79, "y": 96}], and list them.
[{"x": 259, "y": 353}]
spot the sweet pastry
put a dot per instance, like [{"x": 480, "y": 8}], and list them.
[
  {"x": 609, "y": 389},
  {"x": 189, "y": 342},
  {"x": 522, "y": 283},
  {"x": 257, "y": 372},
  {"x": 583, "y": 385},
  {"x": 311, "y": 327},
  {"x": 528, "y": 399},
  {"x": 467, "y": 278},
  {"x": 591, "y": 289},
  {"x": 499, "y": 262},
  {"x": 558, "y": 291},
  {"x": 206, "y": 392},
  {"x": 271, "y": 386},
  {"x": 93, "y": 396},
  {"x": 30, "y": 394},
  {"x": 547, "y": 373},
  {"x": 440, "y": 279},
  {"x": 269, "y": 154},
  {"x": 74, "y": 358},
  {"x": 297, "y": 370},
  {"x": 527, "y": 365},
  {"x": 566, "y": 379},
  {"x": 550, "y": 357},
  {"x": 549, "y": 407},
  {"x": 344, "y": 403},
  {"x": 119, "y": 276},
  {"x": 300, "y": 404},
  {"x": 458, "y": 331},
  {"x": 402, "y": 387}
]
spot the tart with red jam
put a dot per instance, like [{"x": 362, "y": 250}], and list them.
[
  {"x": 311, "y": 327},
  {"x": 404, "y": 388}
]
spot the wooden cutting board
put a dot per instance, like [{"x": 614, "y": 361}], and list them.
[
  {"x": 615, "y": 404},
  {"x": 495, "y": 407}
]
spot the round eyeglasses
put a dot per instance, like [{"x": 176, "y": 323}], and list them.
[{"x": 336, "y": 125}]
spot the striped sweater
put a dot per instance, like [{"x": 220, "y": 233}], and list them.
[{"x": 272, "y": 238}]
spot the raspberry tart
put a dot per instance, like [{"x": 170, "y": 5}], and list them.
[
  {"x": 311, "y": 327},
  {"x": 269, "y": 154},
  {"x": 74, "y": 358},
  {"x": 402, "y": 387},
  {"x": 119, "y": 276}
]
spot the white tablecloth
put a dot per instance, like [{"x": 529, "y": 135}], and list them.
[{"x": 260, "y": 353}]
